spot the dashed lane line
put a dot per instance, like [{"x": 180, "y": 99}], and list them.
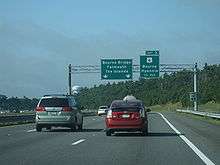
[
  {"x": 32, "y": 130},
  {"x": 77, "y": 142}
]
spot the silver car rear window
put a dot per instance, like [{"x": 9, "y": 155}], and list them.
[{"x": 54, "y": 102}]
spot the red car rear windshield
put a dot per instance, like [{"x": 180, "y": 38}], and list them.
[
  {"x": 120, "y": 105},
  {"x": 129, "y": 109},
  {"x": 54, "y": 102}
]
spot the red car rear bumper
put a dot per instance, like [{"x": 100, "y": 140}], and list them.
[{"x": 126, "y": 125}]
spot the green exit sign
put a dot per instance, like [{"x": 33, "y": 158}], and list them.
[
  {"x": 116, "y": 69},
  {"x": 149, "y": 66}
]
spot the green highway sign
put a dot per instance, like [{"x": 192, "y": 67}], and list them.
[
  {"x": 193, "y": 96},
  {"x": 116, "y": 69},
  {"x": 149, "y": 66},
  {"x": 152, "y": 52}
]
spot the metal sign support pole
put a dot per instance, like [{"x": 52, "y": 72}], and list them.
[
  {"x": 69, "y": 78},
  {"x": 195, "y": 88}
]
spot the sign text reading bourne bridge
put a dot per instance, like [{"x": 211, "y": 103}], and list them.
[{"x": 116, "y": 68}]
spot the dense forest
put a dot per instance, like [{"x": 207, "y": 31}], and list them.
[{"x": 169, "y": 88}]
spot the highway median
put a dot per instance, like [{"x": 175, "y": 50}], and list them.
[{"x": 17, "y": 119}]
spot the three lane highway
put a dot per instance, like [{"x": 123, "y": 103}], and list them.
[{"x": 173, "y": 139}]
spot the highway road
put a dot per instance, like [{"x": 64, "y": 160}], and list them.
[{"x": 174, "y": 139}]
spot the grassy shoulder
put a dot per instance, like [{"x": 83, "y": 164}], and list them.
[
  {"x": 209, "y": 107},
  {"x": 166, "y": 107}
]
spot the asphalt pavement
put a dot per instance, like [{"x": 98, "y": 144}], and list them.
[{"x": 174, "y": 139}]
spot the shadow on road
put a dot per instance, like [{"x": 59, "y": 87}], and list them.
[
  {"x": 162, "y": 134},
  {"x": 69, "y": 130},
  {"x": 92, "y": 130},
  {"x": 151, "y": 134}
]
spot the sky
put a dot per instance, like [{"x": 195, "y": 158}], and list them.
[{"x": 39, "y": 38}]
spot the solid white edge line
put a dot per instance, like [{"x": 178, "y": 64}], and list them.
[
  {"x": 202, "y": 156},
  {"x": 79, "y": 141}
]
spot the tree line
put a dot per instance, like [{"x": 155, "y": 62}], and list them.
[{"x": 169, "y": 88}]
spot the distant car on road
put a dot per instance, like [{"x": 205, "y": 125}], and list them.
[
  {"x": 126, "y": 115},
  {"x": 56, "y": 111},
  {"x": 102, "y": 110}
]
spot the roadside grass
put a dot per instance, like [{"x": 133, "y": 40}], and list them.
[
  {"x": 166, "y": 107},
  {"x": 208, "y": 107}
]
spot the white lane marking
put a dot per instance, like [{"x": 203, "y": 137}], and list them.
[
  {"x": 202, "y": 156},
  {"x": 32, "y": 130},
  {"x": 79, "y": 141}
]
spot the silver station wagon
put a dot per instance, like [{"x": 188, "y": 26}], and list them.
[{"x": 58, "y": 111}]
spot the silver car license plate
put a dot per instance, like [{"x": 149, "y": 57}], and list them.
[{"x": 53, "y": 113}]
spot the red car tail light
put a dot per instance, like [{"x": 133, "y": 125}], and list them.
[
  {"x": 40, "y": 109},
  {"x": 114, "y": 114},
  {"x": 136, "y": 115},
  {"x": 67, "y": 109}
]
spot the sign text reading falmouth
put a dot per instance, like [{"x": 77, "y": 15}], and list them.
[{"x": 116, "y": 68}]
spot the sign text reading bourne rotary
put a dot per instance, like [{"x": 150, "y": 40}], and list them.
[{"x": 116, "y": 68}]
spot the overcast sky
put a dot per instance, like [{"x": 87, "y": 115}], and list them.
[{"x": 39, "y": 38}]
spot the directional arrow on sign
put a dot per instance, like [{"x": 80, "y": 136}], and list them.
[
  {"x": 105, "y": 76},
  {"x": 128, "y": 75}
]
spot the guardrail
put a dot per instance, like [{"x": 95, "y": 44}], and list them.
[
  {"x": 207, "y": 114},
  {"x": 30, "y": 118}
]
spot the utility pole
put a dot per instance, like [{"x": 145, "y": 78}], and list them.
[
  {"x": 69, "y": 78},
  {"x": 195, "y": 88}
]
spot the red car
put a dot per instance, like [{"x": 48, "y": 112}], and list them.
[{"x": 125, "y": 115}]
